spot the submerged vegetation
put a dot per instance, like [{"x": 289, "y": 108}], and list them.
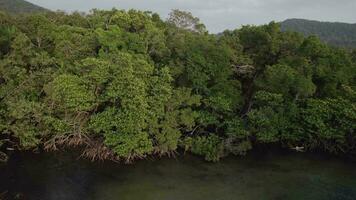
[{"x": 126, "y": 84}]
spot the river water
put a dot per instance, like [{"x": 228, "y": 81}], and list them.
[{"x": 275, "y": 176}]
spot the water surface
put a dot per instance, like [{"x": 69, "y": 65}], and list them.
[{"x": 276, "y": 176}]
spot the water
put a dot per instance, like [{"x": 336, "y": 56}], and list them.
[{"x": 276, "y": 176}]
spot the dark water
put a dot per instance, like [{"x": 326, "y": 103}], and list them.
[{"x": 63, "y": 176}]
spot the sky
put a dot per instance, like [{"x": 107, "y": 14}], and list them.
[{"x": 219, "y": 15}]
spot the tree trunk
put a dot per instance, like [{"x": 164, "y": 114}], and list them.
[{"x": 248, "y": 91}]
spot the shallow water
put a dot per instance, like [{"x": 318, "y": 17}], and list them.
[{"x": 62, "y": 176}]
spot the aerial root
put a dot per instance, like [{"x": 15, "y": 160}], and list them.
[
  {"x": 98, "y": 151},
  {"x": 72, "y": 140},
  {"x": 93, "y": 149}
]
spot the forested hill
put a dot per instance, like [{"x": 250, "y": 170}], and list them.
[
  {"x": 334, "y": 33},
  {"x": 19, "y": 6}
]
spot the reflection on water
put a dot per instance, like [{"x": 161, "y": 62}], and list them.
[{"x": 62, "y": 176}]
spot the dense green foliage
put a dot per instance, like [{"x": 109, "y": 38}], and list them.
[
  {"x": 333, "y": 33},
  {"x": 20, "y": 6},
  {"x": 126, "y": 84}
]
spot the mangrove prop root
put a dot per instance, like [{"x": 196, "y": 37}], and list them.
[{"x": 93, "y": 149}]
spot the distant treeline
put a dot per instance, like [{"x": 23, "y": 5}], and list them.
[
  {"x": 126, "y": 84},
  {"x": 19, "y": 6},
  {"x": 333, "y": 33}
]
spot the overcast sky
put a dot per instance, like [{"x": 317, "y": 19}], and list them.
[{"x": 219, "y": 15}]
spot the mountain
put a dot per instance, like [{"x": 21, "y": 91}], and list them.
[
  {"x": 334, "y": 33},
  {"x": 19, "y": 6}
]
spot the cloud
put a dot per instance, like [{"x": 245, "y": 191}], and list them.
[{"x": 219, "y": 15}]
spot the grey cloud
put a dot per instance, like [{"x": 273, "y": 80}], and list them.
[{"x": 219, "y": 15}]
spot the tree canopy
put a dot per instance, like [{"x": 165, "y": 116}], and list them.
[{"x": 124, "y": 85}]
